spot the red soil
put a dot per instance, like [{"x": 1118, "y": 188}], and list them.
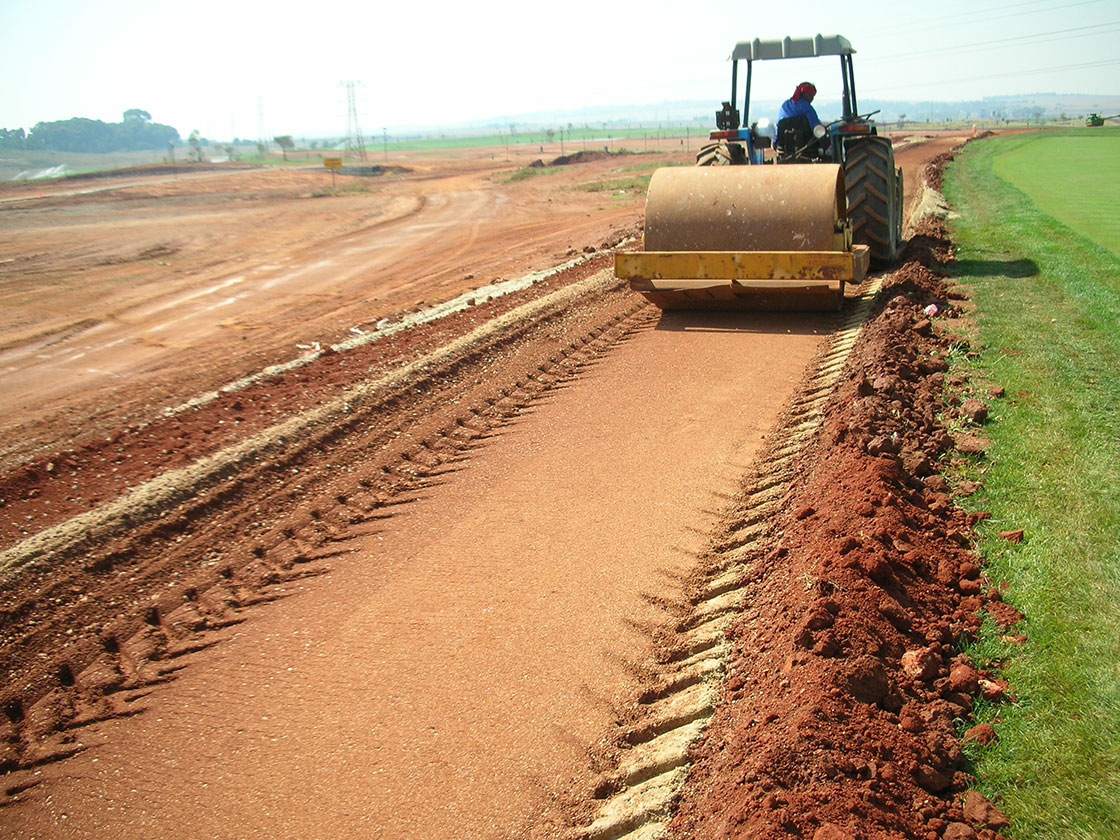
[{"x": 847, "y": 690}]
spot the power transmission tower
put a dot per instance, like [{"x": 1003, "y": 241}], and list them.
[{"x": 355, "y": 143}]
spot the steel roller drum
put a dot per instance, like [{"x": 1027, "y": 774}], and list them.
[{"x": 797, "y": 207}]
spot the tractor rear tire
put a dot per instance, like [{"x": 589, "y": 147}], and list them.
[
  {"x": 874, "y": 188},
  {"x": 721, "y": 154},
  {"x": 713, "y": 154}
]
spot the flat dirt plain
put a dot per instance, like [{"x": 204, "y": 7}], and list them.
[{"x": 285, "y": 554}]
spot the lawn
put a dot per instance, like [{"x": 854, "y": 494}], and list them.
[
  {"x": 1073, "y": 176},
  {"x": 1037, "y": 246}
]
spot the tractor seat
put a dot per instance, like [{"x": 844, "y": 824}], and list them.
[{"x": 794, "y": 133}]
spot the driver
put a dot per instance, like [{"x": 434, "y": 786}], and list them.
[{"x": 801, "y": 103}]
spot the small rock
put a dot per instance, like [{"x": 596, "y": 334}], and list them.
[
  {"x": 885, "y": 384},
  {"x": 958, "y": 831},
  {"x": 932, "y": 365},
  {"x": 982, "y": 734},
  {"x": 894, "y": 612},
  {"x": 922, "y": 664},
  {"x": 828, "y": 831},
  {"x": 917, "y": 464},
  {"x": 910, "y": 720},
  {"x": 996, "y": 392},
  {"x": 969, "y": 444},
  {"x": 974, "y": 411},
  {"x": 960, "y": 700},
  {"x": 978, "y": 810},
  {"x": 1014, "y": 536},
  {"x": 866, "y": 679},
  {"x": 991, "y": 691},
  {"x": 882, "y": 446},
  {"x": 819, "y": 618},
  {"x": 964, "y": 678},
  {"x": 936, "y": 483},
  {"x": 967, "y": 488},
  {"x": 804, "y": 512},
  {"x": 931, "y": 779}
]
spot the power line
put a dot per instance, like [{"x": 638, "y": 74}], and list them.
[
  {"x": 946, "y": 82},
  {"x": 985, "y": 15},
  {"x": 1048, "y": 36}
]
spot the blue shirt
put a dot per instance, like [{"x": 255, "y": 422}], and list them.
[{"x": 801, "y": 106}]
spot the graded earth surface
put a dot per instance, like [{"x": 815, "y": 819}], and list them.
[{"x": 382, "y": 510}]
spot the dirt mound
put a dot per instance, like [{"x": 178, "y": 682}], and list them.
[
  {"x": 161, "y": 169},
  {"x": 846, "y": 687},
  {"x": 583, "y": 157},
  {"x": 934, "y": 169},
  {"x": 372, "y": 171}
]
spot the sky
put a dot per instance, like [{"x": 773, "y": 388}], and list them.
[{"x": 259, "y": 70}]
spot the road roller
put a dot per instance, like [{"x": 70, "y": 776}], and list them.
[{"x": 771, "y": 217}]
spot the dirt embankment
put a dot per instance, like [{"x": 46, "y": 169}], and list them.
[{"x": 847, "y": 691}]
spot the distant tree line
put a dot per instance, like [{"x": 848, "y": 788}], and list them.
[{"x": 135, "y": 131}]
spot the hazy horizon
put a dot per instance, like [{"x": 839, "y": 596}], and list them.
[{"x": 243, "y": 73}]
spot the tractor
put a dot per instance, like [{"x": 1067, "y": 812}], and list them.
[{"x": 785, "y": 230}]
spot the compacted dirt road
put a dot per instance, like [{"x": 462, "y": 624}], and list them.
[{"x": 407, "y": 588}]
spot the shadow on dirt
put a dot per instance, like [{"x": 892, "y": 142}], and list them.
[{"x": 794, "y": 323}]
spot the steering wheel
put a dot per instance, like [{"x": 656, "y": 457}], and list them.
[{"x": 853, "y": 118}]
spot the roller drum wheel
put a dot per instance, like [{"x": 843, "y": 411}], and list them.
[
  {"x": 745, "y": 208},
  {"x": 745, "y": 237},
  {"x": 874, "y": 188}
]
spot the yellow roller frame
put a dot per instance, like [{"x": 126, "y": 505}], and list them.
[
  {"x": 749, "y": 279},
  {"x": 767, "y": 237}
]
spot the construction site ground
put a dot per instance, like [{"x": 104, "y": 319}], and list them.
[{"x": 383, "y": 509}]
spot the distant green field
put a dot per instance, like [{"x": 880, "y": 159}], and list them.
[{"x": 1071, "y": 175}]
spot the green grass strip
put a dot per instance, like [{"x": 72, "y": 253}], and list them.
[
  {"x": 1048, "y": 301},
  {"x": 1073, "y": 176}
]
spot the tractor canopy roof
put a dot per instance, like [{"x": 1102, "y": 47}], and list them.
[{"x": 758, "y": 50}]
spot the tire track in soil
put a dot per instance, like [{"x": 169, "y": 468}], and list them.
[
  {"x": 143, "y": 641},
  {"x": 673, "y": 711},
  {"x": 61, "y": 484},
  {"x": 105, "y": 654}
]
